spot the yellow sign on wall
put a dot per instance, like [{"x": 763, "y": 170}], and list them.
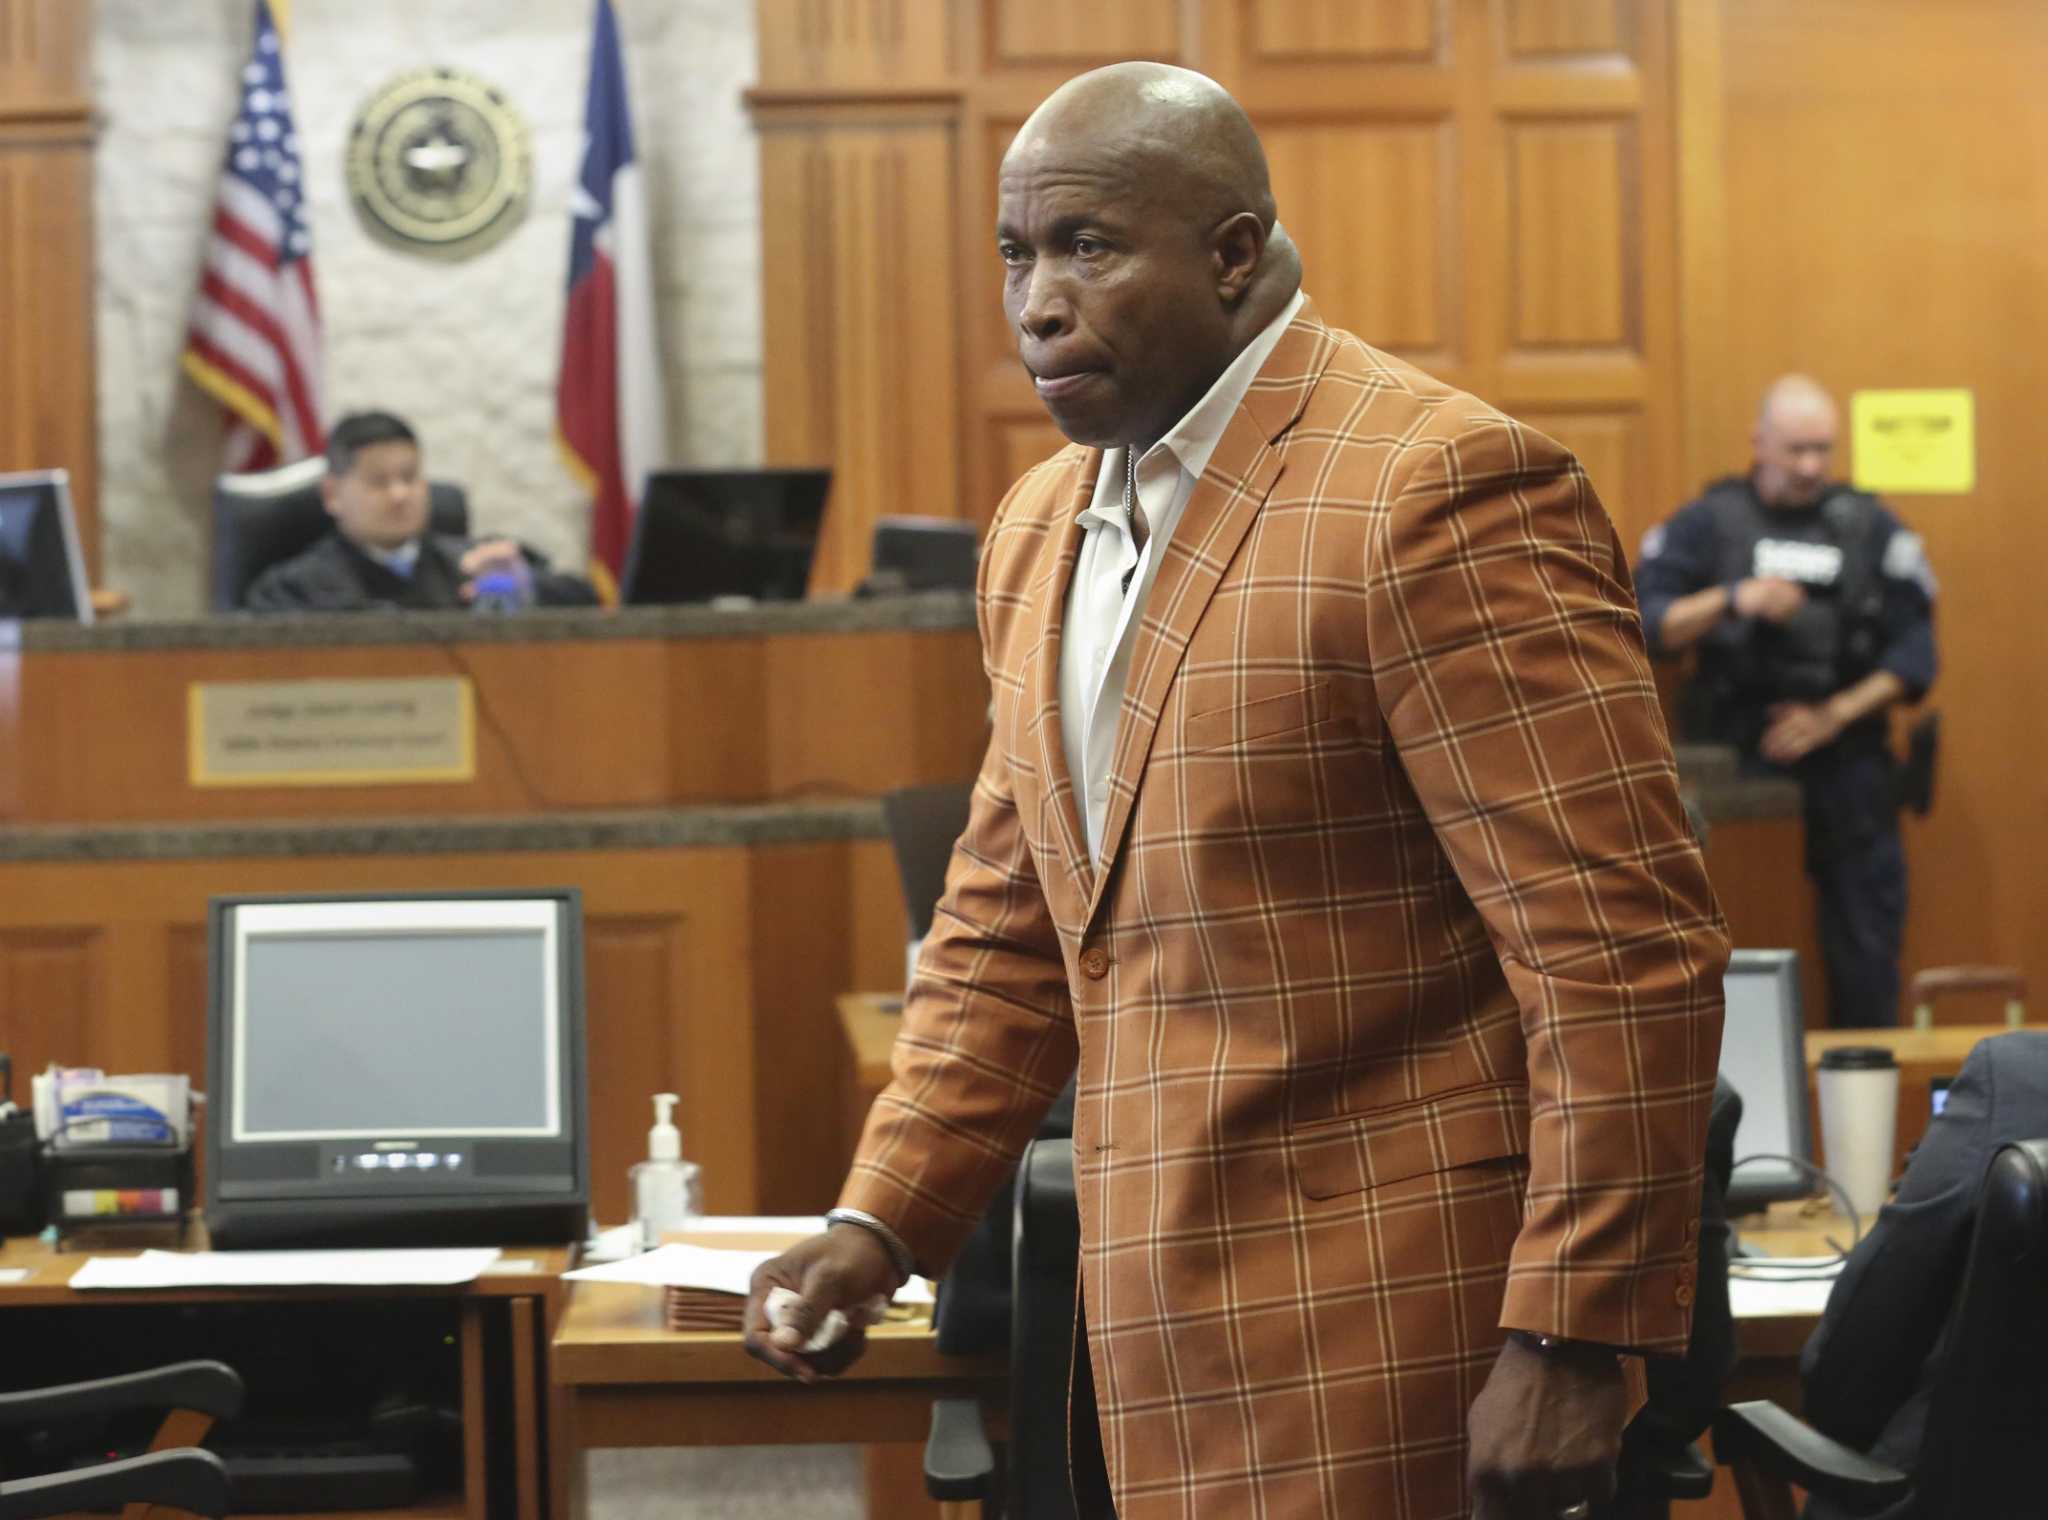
[{"x": 1914, "y": 442}]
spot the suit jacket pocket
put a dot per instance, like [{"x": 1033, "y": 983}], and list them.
[
  {"x": 1354, "y": 1152},
  {"x": 1255, "y": 720}
]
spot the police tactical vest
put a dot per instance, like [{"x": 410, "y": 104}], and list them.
[{"x": 1832, "y": 551}]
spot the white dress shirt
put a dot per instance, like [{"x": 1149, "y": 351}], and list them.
[{"x": 1101, "y": 619}]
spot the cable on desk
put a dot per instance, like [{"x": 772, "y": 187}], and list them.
[{"x": 1761, "y": 1267}]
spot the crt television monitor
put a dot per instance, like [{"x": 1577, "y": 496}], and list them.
[
  {"x": 403, "y": 1069},
  {"x": 706, "y": 534},
  {"x": 1763, "y": 1056},
  {"x": 42, "y": 570}
]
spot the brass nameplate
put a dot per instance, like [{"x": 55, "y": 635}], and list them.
[{"x": 381, "y": 732}]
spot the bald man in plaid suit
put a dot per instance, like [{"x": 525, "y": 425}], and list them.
[{"x": 1329, "y": 828}]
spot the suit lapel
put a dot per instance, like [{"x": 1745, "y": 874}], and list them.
[
  {"x": 1234, "y": 485},
  {"x": 1063, "y": 539}
]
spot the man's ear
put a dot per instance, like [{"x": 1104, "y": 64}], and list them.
[
  {"x": 1239, "y": 243},
  {"x": 330, "y": 492}
]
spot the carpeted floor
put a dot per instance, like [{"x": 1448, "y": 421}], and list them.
[{"x": 728, "y": 1483}]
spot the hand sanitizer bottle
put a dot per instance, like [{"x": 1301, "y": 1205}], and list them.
[{"x": 667, "y": 1194}]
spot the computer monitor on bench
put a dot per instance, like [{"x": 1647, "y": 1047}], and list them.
[
  {"x": 1763, "y": 1056},
  {"x": 42, "y": 567},
  {"x": 709, "y": 535},
  {"x": 397, "y": 1069}
]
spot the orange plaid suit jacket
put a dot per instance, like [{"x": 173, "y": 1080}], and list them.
[{"x": 1397, "y": 998}]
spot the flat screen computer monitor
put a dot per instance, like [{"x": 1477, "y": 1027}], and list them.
[
  {"x": 1763, "y": 1056},
  {"x": 396, "y": 1070},
  {"x": 705, "y": 534},
  {"x": 925, "y": 553},
  {"x": 42, "y": 570}
]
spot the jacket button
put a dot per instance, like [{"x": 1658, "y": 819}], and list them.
[
  {"x": 1095, "y": 962},
  {"x": 1683, "y": 1294}
]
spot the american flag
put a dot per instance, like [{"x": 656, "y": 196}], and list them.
[{"x": 254, "y": 344}]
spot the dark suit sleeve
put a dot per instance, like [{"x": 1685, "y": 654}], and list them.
[
  {"x": 557, "y": 588},
  {"x": 1892, "y": 1298},
  {"x": 1908, "y": 610},
  {"x": 291, "y": 587},
  {"x": 1676, "y": 559}
]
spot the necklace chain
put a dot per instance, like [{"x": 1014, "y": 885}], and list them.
[{"x": 1130, "y": 483}]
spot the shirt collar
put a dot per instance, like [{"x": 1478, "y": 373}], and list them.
[
  {"x": 1194, "y": 438},
  {"x": 400, "y": 561}
]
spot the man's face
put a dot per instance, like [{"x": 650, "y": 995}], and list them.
[
  {"x": 1795, "y": 446},
  {"x": 1112, "y": 294},
  {"x": 381, "y": 500}
]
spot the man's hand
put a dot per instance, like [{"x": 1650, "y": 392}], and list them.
[
  {"x": 1796, "y": 730},
  {"x": 1546, "y": 1432},
  {"x": 840, "y": 1269},
  {"x": 501, "y": 555},
  {"x": 1769, "y": 597}
]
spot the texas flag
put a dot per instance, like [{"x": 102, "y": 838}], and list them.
[{"x": 610, "y": 417}]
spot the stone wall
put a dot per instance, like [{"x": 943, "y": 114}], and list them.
[{"x": 466, "y": 350}]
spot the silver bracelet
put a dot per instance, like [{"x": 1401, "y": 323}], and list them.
[{"x": 899, "y": 1253}]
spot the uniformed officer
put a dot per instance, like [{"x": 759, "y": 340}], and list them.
[{"x": 1811, "y": 608}]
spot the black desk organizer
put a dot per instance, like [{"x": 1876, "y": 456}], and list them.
[{"x": 114, "y": 1168}]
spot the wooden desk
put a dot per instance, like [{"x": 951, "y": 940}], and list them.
[
  {"x": 523, "y": 1293},
  {"x": 621, "y": 1379}
]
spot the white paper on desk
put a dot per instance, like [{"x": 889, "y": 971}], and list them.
[
  {"x": 1771, "y": 1298},
  {"x": 679, "y": 1266},
  {"x": 287, "y": 1269},
  {"x": 709, "y": 1267}
]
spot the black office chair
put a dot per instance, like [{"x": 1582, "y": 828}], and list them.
[
  {"x": 175, "y": 1473},
  {"x": 1029, "y": 1480},
  {"x": 1988, "y": 1424},
  {"x": 263, "y": 519}
]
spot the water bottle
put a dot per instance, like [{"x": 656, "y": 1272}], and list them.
[{"x": 503, "y": 590}]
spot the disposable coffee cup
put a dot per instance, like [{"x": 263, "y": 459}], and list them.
[{"x": 1859, "y": 1107}]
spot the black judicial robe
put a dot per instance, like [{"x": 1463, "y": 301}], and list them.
[{"x": 336, "y": 576}]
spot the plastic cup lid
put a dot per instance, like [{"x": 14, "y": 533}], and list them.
[{"x": 1857, "y": 1058}]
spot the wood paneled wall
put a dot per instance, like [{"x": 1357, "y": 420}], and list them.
[
  {"x": 1484, "y": 186},
  {"x": 712, "y": 972},
  {"x": 1863, "y": 202},
  {"x": 48, "y": 403}
]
